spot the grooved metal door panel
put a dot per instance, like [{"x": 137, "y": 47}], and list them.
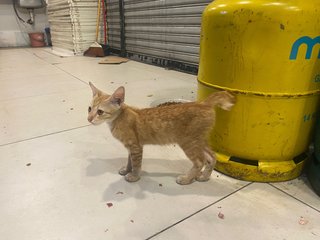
[
  {"x": 113, "y": 20},
  {"x": 166, "y": 29}
]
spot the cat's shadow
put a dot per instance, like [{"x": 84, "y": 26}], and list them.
[
  {"x": 163, "y": 182},
  {"x": 99, "y": 166}
]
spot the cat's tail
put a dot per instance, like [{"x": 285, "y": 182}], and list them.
[{"x": 222, "y": 99}]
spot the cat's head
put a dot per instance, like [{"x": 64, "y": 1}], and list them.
[{"x": 104, "y": 107}]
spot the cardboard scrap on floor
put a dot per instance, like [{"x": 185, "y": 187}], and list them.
[{"x": 113, "y": 60}]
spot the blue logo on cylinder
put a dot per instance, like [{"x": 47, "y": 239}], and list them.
[{"x": 310, "y": 42}]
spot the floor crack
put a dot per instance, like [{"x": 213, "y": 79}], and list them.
[{"x": 200, "y": 210}]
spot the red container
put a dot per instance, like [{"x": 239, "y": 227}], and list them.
[{"x": 37, "y": 39}]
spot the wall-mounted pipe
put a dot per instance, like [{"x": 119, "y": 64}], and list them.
[{"x": 31, "y": 13}]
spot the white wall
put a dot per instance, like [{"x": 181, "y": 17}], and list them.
[{"x": 14, "y": 33}]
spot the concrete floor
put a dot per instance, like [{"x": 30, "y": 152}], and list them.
[{"x": 58, "y": 174}]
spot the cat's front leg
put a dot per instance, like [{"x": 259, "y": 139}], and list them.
[
  {"x": 136, "y": 161},
  {"x": 126, "y": 169}
]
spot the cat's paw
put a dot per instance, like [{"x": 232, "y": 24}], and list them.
[
  {"x": 184, "y": 180},
  {"x": 123, "y": 171},
  {"x": 131, "y": 177},
  {"x": 202, "y": 178}
]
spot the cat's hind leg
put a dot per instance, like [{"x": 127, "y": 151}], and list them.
[
  {"x": 196, "y": 157},
  {"x": 126, "y": 169},
  {"x": 210, "y": 161}
]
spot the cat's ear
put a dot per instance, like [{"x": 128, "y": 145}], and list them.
[
  {"x": 95, "y": 90},
  {"x": 118, "y": 96}
]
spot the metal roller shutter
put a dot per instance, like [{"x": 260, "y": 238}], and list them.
[
  {"x": 113, "y": 20},
  {"x": 159, "y": 31}
]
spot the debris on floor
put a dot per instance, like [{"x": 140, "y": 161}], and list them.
[
  {"x": 119, "y": 192},
  {"x": 221, "y": 215},
  {"x": 113, "y": 60},
  {"x": 131, "y": 221},
  {"x": 28, "y": 164},
  {"x": 109, "y": 204},
  {"x": 303, "y": 221}
]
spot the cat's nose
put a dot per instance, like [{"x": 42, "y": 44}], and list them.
[{"x": 90, "y": 119}]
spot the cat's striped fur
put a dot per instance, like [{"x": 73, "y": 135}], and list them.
[{"x": 185, "y": 124}]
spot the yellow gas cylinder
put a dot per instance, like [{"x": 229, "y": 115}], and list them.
[{"x": 266, "y": 52}]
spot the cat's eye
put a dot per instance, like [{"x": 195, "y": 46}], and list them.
[
  {"x": 89, "y": 109},
  {"x": 100, "y": 112}
]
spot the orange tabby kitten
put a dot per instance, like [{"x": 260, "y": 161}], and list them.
[{"x": 185, "y": 124}]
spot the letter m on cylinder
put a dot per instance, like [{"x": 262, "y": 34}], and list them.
[{"x": 309, "y": 42}]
